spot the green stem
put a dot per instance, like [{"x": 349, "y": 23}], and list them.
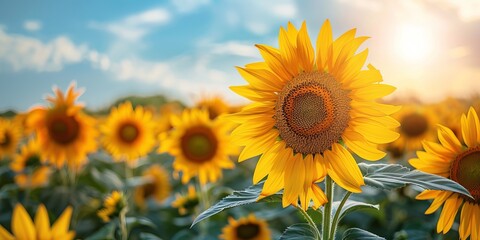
[
  {"x": 327, "y": 208},
  {"x": 123, "y": 223},
  {"x": 336, "y": 218},
  {"x": 205, "y": 204},
  {"x": 310, "y": 221}
]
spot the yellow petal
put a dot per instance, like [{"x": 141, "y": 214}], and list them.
[
  {"x": 449, "y": 211},
  {"x": 274, "y": 61},
  {"x": 4, "y": 234},
  {"x": 437, "y": 202},
  {"x": 323, "y": 45},
  {"x": 438, "y": 150},
  {"x": 364, "y": 78},
  {"x": 371, "y": 92},
  {"x": 465, "y": 216},
  {"x": 287, "y": 51},
  {"x": 339, "y": 44},
  {"x": 276, "y": 177},
  {"x": 259, "y": 146},
  {"x": 448, "y": 139},
  {"x": 60, "y": 227},
  {"x": 470, "y": 127},
  {"x": 343, "y": 168},
  {"x": 375, "y": 134},
  {"x": 261, "y": 79},
  {"x": 254, "y": 94},
  {"x": 365, "y": 150},
  {"x": 295, "y": 170},
  {"x": 348, "y": 71},
  {"x": 22, "y": 225},
  {"x": 368, "y": 109},
  {"x": 475, "y": 222},
  {"x": 42, "y": 223},
  {"x": 305, "y": 51},
  {"x": 428, "y": 194},
  {"x": 266, "y": 162},
  {"x": 347, "y": 52}
]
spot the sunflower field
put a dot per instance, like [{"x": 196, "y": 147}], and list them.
[{"x": 317, "y": 153}]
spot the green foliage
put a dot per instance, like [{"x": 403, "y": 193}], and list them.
[
  {"x": 359, "y": 234},
  {"x": 299, "y": 231}
]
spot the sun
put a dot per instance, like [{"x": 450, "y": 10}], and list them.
[{"x": 414, "y": 43}]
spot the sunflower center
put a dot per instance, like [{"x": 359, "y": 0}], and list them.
[
  {"x": 414, "y": 125},
  {"x": 199, "y": 144},
  {"x": 466, "y": 171},
  {"x": 32, "y": 160},
  {"x": 247, "y": 231},
  {"x": 5, "y": 142},
  {"x": 64, "y": 129},
  {"x": 312, "y": 112},
  {"x": 128, "y": 132},
  {"x": 149, "y": 189}
]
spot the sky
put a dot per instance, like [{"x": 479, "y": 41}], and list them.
[{"x": 186, "y": 49}]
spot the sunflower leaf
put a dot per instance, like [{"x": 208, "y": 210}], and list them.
[
  {"x": 237, "y": 198},
  {"x": 351, "y": 206},
  {"x": 391, "y": 176},
  {"x": 299, "y": 231},
  {"x": 360, "y": 234}
]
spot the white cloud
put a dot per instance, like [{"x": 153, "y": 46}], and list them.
[
  {"x": 136, "y": 26},
  {"x": 234, "y": 48},
  {"x": 23, "y": 52},
  {"x": 186, "y": 6},
  {"x": 32, "y": 25}
]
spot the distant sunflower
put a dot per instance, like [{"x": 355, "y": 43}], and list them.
[
  {"x": 112, "y": 205},
  {"x": 215, "y": 106},
  {"x": 10, "y": 135},
  {"x": 186, "y": 204},
  {"x": 128, "y": 134},
  {"x": 157, "y": 186},
  {"x": 201, "y": 147},
  {"x": 164, "y": 123},
  {"x": 417, "y": 123},
  {"x": 247, "y": 228},
  {"x": 461, "y": 163},
  {"x": 449, "y": 112},
  {"x": 65, "y": 134},
  {"x": 29, "y": 168},
  {"x": 306, "y": 106},
  {"x": 24, "y": 228}
]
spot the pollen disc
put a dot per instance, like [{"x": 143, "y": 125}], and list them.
[
  {"x": 414, "y": 125},
  {"x": 63, "y": 129},
  {"x": 465, "y": 170},
  {"x": 312, "y": 112},
  {"x": 199, "y": 144}
]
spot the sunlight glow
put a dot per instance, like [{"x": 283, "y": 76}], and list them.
[{"x": 413, "y": 43}]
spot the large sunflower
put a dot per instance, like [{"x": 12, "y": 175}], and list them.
[
  {"x": 307, "y": 107},
  {"x": 65, "y": 133},
  {"x": 29, "y": 168},
  {"x": 10, "y": 134},
  {"x": 201, "y": 147},
  {"x": 157, "y": 186},
  {"x": 461, "y": 163},
  {"x": 24, "y": 228},
  {"x": 128, "y": 134},
  {"x": 247, "y": 228}
]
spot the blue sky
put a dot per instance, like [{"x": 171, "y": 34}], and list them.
[{"x": 185, "y": 49}]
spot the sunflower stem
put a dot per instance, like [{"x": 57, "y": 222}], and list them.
[
  {"x": 327, "y": 210},
  {"x": 310, "y": 221},
  {"x": 123, "y": 223},
  {"x": 336, "y": 218},
  {"x": 204, "y": 206}
]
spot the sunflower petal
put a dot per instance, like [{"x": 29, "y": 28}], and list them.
[
  {"x": 22, "y": 225},
  {"x": 428, "y": 194},
  {"x": 448, "y": 139},
  {"x": 449, "y": 211},
  {"x": 372, "y": 92},
  {"x": 60, "y": 227},
  {"x": 306, "y": 55},
  {"x": 324, "y": 41},
  {"x": 42, "y": 223},
  {"x": 437, "y": 202},
  {"x": 465, "y": 216},
  {"x": 4, "y": 234},
  {"x": 343, "y": 168},
  {"x": 295, "y": 170},
  {"x": 274, "y": 61}
]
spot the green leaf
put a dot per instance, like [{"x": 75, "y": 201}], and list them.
[
  {"x": 299, "y": 231},
  {"x": 360, "y": 234},
  {"x": 149, "y": 236},
  {"x": 133, "y": 222},
  {"x": 237, "y": 198},
  {"x": 107, "y": 232},
  {"x": 391, "y": 176},
  {"x": 351, "y": 206}
]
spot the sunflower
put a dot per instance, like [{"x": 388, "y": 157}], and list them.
[
  {"x": 459, "y": 162},
  {"x": 127, "y": 133},
  {"x": 24, "y": 228},
  {"x": 65, "y": 134},
  {"x": 305, "y": 105},
  {"x": 247, "y": 228},
  {"x": 186, "y": 204},
  {"x": 449, "y": 111},
  {"x": 417, "y": 123},
  {"x": 10, "y": 135},
  {"x": 112, "y": 205},
  {"x": 157, "y": 186},
  {"x": 167, "y": 110},
  {"x": 214, "y": 105},
  {"x": 30, "y": 172},
  {"x": 201, "y": 146}
]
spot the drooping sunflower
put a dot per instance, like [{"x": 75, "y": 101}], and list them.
[
  {"x": 201, "y": 146},
  {"x": 65, "y": 134},
  {"x": 417, "y": 124},
  {"x": 214, "y": 105},
  {"x": 10, "y": 135},
  {"x": 187, "y": 203},
  {"x": 128, "y": 133},
  {"x": 112, "y": 205},
  {"x": 307, "y": 106},
  {"x": 157, "y": 186},
  {"x": 461, "y": 163},
  {"x": 247, "y": 228},
  {"x": 29, "y": 168},
  {"x": 24, "y": 228}
]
